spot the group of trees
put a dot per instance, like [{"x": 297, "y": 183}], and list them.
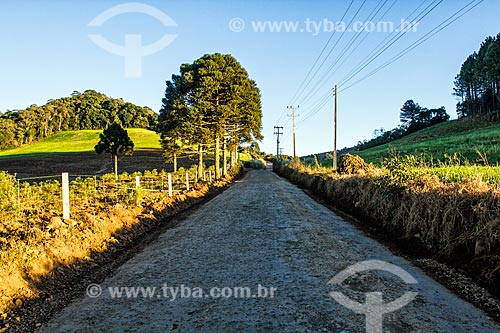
[
  {"x": 413, "y": 118},
  {"x": 88, "y": 110},
  {"x": 478, "y": 84},
  {"x": 210, "y": 103}
]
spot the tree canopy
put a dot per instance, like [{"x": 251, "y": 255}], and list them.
[
  {"x": 415, "y": 117},
  {"x": 88, "y": 110},
  {"x": 478, "y": 83},
  {"x": 211, "y": 101},
  {"x": 115, "y": 140}
]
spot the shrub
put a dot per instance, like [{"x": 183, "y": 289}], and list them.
[
  {"x": 7, "y": 188},
  {"x": 403, "y": 169},
  {"x": 351, "y": 164},
  {"x": 255, "y": 164}
]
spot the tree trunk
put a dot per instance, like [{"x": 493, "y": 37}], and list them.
[
  {"x": 224, "y": 158},
  {"x": 217, "y": 158},
  {"x": 232, "y": 158},
  {"x": 175, "y": 162},
  {"x": 200, "y": 160},
  {"x": 116, "y": 165}
]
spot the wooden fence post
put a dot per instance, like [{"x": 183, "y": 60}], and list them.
[
  {"x": 65, "y": 195},
  {"x": 18, "y": 199},
  {"x": 187, "y": 180},
  {"x": 137, "y": 181},
  {"x": 170, "y": 185}
]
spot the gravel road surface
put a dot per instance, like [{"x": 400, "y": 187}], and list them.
[{"x": 265, "y": 235}]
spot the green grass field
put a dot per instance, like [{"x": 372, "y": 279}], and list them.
[
  {"x": 81, "y": 141},
  {"x": 465, "y": 137},
  {"x": 452, "y": 174}
]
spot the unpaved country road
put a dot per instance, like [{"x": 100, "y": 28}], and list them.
[{"x": 263, "y": 230}]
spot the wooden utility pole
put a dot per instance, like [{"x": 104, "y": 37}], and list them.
[
  {"x": 293, "y": 115},
  {"x": 335, "y": 129},
  {"x": 278, "y": 130}
]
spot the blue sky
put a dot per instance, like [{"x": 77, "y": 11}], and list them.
[{"x": 46, "y": 53}]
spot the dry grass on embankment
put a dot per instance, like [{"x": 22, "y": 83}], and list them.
[
  {"x": 457, "y": 223},
  {"x": 53, "y": 256}
]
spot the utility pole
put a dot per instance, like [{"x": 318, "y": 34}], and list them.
[
  {"x": 335, "y": 129},
  {"x": 293, "y": 115},
  {"x": 278, "y": 130}
]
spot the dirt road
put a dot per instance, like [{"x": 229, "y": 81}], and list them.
[{"x": 266, "y": 235}]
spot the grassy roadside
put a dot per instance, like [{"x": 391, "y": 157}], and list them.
[
  {"x": 465, "y": 137},
  {"x": 38, "y": 272},
  {"x": 456, "y": 223}
]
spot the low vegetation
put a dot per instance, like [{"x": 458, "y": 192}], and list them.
[
  {"x": 475, "y": 140},
  {"x": 38, "y": 247},
  {"x": 255, "y": 164},
  {"x": 453, "y": 216}
]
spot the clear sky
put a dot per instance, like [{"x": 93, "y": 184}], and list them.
[{"x": 47, "y": 53}]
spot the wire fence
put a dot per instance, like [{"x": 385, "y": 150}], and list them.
[{"x": 33, "y": 198}]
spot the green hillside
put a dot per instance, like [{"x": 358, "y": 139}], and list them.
[
  {"x": 465, "y": 137},
  {"x": 81, "y": 141}
]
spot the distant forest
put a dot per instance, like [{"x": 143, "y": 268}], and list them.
[
  {"x": 478, "y": 84},
  {"x": 90, "y": 110}
]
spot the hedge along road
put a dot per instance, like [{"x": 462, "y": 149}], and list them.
[{"x": 259, "y": 257}]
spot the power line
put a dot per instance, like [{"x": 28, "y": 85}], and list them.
[
  {"x": 319, "y": 56},
  {"x": 334, "y": 46},
  {"x": 370, "y": 18},
  {"x": 362, "y": 40},
  {"x": 380, "y": 50},
  {"x": 421, "y": 40},
  {"x": 316, "y": 107},
  {"x": 384, "y": 41},
  {"x": 390, "y": 43}
]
